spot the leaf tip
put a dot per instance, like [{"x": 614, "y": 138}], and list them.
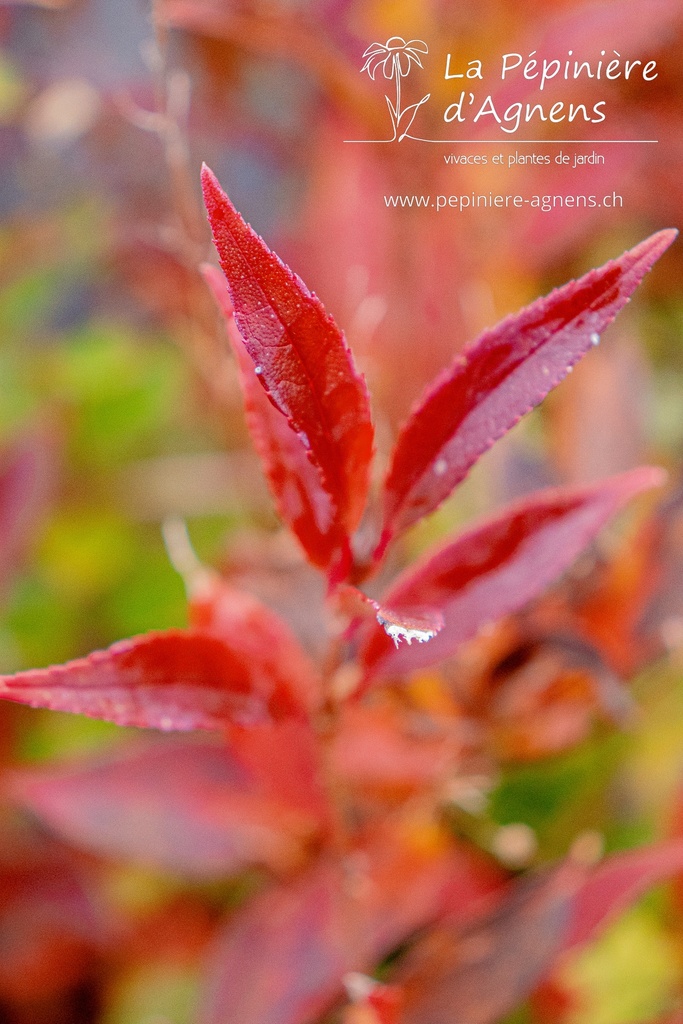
[
  {"x": 399, "y": 626},
  {"x": 207, "y": 176},
  {"x": 651, "y": 248},
  {"x": 644, "y": 478},
  {"x": 214, "y": 196}
]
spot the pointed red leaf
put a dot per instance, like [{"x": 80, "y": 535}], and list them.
[
  {"x": 496, "y": 568},
  {"x": 173, "y": 681},
  {"x": 507, "y": 372},
  {"x": 302, "y": 502},
  {"x": 479, "y": 973},
  {"x": 257, "y": 632},
  {"x": 616, "y": 883},
  {"x": 300, "y": 355},
  {"x": 198, "y": 808}
]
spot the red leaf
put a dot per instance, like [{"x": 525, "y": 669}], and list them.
[
  {"x": 507, "y": 372},
  {"x": 295, "y": 482},
  {"x": 480, "y": 972},
  {"x": 498, "y": 567},
  {"x": 618, "y": 882},
  {"x": 49, "y": 919},
  {"x": 256, "y": 632},
  {"x": 197, "y": 808},
  {"x": 172, "y": 681},
  {"x": 301, "y": 357},
  {"x": 411, "y": 876},
  {"x": 282, "y": 958},
  {"x": 381, "y": 749}
]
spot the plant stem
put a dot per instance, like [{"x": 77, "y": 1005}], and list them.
[{"x": 398, "y": 93}]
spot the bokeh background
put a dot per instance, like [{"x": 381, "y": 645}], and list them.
[{"x": 119, "y": 408}]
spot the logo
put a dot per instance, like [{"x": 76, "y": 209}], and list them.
[
  {"x": 549, "y": 86},
  {"x": 395, "y": 58}
]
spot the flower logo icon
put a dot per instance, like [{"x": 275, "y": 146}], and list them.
[{"x": 395, "y": 58}]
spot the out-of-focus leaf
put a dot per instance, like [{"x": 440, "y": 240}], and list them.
[
  {"x": 549, "y": 700},
  {"x": 480, "y": 972},
  {"x": 280, "y": 35},
  {"x": 496, "y": 568},
  {"x": 175, "y": 681},
  {"x": 282, "y": 959},
  {"x": 201, "y": 809},
  {"x": 302, "y": 501},
  {"x": 50, "y": 924},
  {"x": 616, "y": 883},
  {"x": 381, "y": 750},
  {"x": 507, "y": 372},
  {"x": 300, "y": 356},
  {"x": 411, "y": 875}
]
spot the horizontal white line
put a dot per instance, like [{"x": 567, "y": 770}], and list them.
[{"x": 517, "y": 142}]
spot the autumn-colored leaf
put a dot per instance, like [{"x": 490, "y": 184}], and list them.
[
  {"x": 300, "y": 357},
  {"x": 412, "y": 874},
  {"x": 480, "y": 972},
  {"x": 507, "y": 372},
  {"x": 379, "y": 749},
  {"x": 616, "y": 883},
  {"x": 276, "y": 34},
  {"x": 283, "y": 957},
  {"x": 496, "y": 568},
  {"x": 257, "y": 974},
  {"x": 197, "y": 808},
  {"x": 175, "y": 681},
  {"x": 295, "y": 482},
  {"x": 51, "y": 922}
]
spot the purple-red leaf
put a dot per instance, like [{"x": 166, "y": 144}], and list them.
[
  {"x": 282, "y": 958},
  {"x": 295, "y": 482},
  {"x": 175, "y": 681},
  {"x": 618, "y": 882},
  {"x": 507, "y": 372},
  {"x": 300, "y": 357},
  {"x": 478, "y": 973},
  {"x": 202, "y": 809},
  {"x": 496, "y": 568}
]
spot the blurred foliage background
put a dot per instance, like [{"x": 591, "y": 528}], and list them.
[{"x": 119, "y": 409}]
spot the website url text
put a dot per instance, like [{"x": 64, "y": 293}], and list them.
[{"x": 496, "y": 201}]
